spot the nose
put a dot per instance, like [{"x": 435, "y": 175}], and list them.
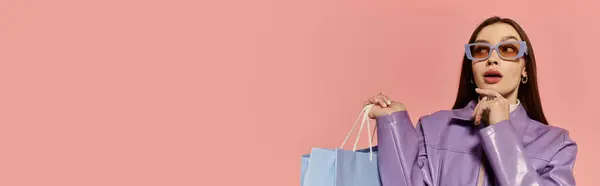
[{"x": 493, "y": 59}]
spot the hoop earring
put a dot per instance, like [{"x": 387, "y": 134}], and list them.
[{"x": 524, "y": 79}]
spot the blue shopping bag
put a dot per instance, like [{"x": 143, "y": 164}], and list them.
[{"x": 340, "y": 167}]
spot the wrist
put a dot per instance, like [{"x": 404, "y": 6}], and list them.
[
  {"x": 392, "y": 112},
  {"x": 498, "y": 121}
]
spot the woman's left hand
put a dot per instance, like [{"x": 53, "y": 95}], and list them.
[{"x": 492, "y": 108}]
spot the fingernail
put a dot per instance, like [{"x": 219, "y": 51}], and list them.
[{"x": 389, "y": 102}]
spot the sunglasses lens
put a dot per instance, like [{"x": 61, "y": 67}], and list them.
[
  {"x": 480, "y": 50},
  {"x": 509, "y": 50}
]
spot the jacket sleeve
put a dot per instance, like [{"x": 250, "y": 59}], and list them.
[
  {"x": 511, "y": 167},
  {"x": 402, "y": 157}
]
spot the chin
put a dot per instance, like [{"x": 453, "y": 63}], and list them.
[
  {"x": 496, "y": 88},
  {"x": 493, "y": 87},
  {"x": 489, "y": 86}
]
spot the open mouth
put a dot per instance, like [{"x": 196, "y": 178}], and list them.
[{"x": 492, "y": 77}]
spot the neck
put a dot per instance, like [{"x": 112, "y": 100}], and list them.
[{"x": 512, "y": 96}]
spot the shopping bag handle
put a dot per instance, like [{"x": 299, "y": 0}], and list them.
[{"x": 364, "y": 114}]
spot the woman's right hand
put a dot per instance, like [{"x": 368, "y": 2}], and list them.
[{"x": 383, "y": 106}]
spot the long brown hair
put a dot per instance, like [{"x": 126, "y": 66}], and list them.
[{"x": 528, "y": 93}]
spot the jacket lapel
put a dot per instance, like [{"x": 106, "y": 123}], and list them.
[{"x": 518, "y": 118}]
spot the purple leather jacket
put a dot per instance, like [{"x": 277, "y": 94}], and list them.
[{"x": 446, "y": 148}]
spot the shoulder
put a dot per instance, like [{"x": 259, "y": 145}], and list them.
[
  {"x": 450, "y": 130},
  {"x": 550, "y": 134},
  {"x": 440, "y": 118},
  {"x": 436, "y": 122},
  {"x": 438, "y": 115},
  {"x": 544, "y": 141}
]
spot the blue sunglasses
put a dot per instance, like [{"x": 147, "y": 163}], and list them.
[{"x": 508, "y": 50}]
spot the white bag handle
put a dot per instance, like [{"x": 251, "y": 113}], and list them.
[{"x": 365, "y": 118}]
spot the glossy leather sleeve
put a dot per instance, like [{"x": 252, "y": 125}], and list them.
[
  {"x": 505, "y": 153},
  {"x": 402, "y": 158}
]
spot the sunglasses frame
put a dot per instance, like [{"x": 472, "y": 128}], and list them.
[{"x": 522, "y": 50}]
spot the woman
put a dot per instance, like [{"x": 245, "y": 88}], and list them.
[{"x": 496, "y": 134}]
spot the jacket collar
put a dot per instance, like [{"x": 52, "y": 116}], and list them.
[{"x": 518, "y": 118}]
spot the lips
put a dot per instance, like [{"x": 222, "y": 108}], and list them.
[{"x": 492, "y": 77}]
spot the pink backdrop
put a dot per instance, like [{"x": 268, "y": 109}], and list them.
[{"x": 233, "y": 92}]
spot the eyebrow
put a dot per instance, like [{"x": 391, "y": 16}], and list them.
[
  {"x": 509, "y": 37},
  {"x": 503, "y": 39}
]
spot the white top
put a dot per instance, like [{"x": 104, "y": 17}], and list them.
[{"x": 514, "y": 106}]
